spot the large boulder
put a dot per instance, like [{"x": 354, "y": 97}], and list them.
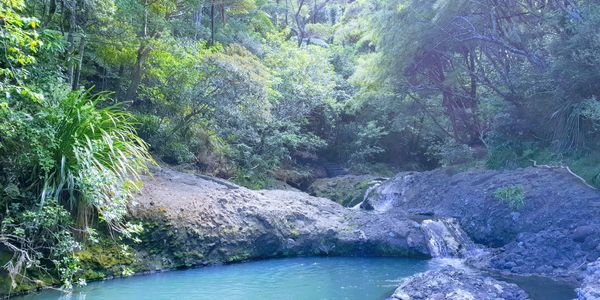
[
  {"x": 544, "y": 221},
  {"x": 450, "y": 283},
  {"x": 195, "y": 220}
]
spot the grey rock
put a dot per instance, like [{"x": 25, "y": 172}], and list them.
[
  {"x": 590, "y": 290},
  {"x": 450, "y": 283},
  {"x": 194, "y": 220},
  {"x": 558, "y": 226}
]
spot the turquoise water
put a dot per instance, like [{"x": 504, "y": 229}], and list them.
[{"x": 293, "y": 278}]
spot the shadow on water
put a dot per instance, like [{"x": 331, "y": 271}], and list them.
[{"x": 542, "y": 288}]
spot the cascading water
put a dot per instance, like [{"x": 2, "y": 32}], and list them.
[
  {"x": 446, "y": 239},
  {"x": 372, "y": 186}
]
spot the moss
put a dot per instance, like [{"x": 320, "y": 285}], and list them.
[
  {"x": 105, "y": 258},
  {"x": 92, "y": 275},
  {"x": 238, "y": 257},
  {"x": 347, "y": 190},
  {"x": 37, "y": 280},
  {"x": 294, "y": 233}
]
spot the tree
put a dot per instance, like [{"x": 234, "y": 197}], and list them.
[{"x": 18, "y": 45}]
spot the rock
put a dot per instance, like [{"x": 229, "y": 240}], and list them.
[
  {"x": 590, "y": 290},
  {"x": 347, "y": 190},
  {"x": 541, "y": 253},
  {"x": 450, "y": 283},
  {"x": 582, "y": 232},
  {"x": 558, "y": 225},
  {"x": 195, "y": 220},
  {"x": 297, "y": 179}
]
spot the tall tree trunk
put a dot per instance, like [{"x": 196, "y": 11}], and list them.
[
  {"x": 287, "y": 10},
  {"x": 314, "y": 14},
  {"x": 72, "y": 7},
  {"x": 461, "y": 107},
  {"x": 51, "y": 10},
  {"x": 79, "y": 63},
  {"x": 462, "y": 113},
  {"x": 275, "y": 16},
  {"x": 119, "y": 80},
  {"x": 300, "y": 23},
  {"x": 197, "y": 22},
  {"x": 222, "y": 11},
  {"x": 137, "y": 72},
  {"x": 142, "y": 53},
  {"x": 212, "y": 23}
]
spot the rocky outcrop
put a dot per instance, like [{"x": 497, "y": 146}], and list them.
[
  {"x": 192, "y": 220},
  {"x": 347, "y": 190},
  {"x": 450, "y": 283},
  {"x": 555, "y": 232}
]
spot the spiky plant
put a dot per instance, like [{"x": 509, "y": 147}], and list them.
[{"x": 97, "y": 160}]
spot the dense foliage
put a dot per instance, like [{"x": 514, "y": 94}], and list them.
[
  {"x": 252, "y": 90},
  {"x": 507, "y": 81}
]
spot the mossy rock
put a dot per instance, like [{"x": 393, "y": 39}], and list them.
[
  {"x": 105, "y": 258},
  {"x": 36, "y": 280},
  {"x": 348, "y": 190}
]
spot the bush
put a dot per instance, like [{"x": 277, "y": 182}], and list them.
[
  {"x": 39, "y": 237},
  {"x": 513, "y": 196},
  {"x": 97, "y": 160},
  {"x": 58, "y": 155}
]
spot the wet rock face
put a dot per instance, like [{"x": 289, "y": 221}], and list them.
[
  {"x": 555, "y": 232},
  {"x": 192, "y": 220},
  {"x": 450, "y": 283},
  {"x": 445, "y": 238}
]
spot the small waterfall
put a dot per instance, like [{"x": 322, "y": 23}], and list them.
[
  {"x": 372, "y": 186},
  {"x": 446, "y": 239}
]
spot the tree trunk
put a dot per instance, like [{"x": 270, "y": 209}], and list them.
[
  {"x": 287, "y": 7},
  {"x": 222, "y": 11},
  {"x": 314, "y": 18},
  {"x": 137, "y": 72},
  {"x": 461, "y": 107},
  {"x": 117, "y": 82},
  {"x": 300, "y": 23},
  {"x": 72, "y": 7},
  {"x": 79, "y": 63},
  {"x": 51, "y": 10},
  {"x": 142, "y": 53},
  {"x": 212, "y": 23},
  {"x": 197, "y": 22}
]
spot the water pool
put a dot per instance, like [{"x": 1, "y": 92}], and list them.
[{"x": 290, "y": 278}]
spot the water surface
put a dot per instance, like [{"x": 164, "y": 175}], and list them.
[
  {"x": 291, "y": 278},
  {"x": 542, "y": 288}
]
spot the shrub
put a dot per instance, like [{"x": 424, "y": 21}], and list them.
[
  {"x": 39, "y": 237},
  {"x": 59, "y": 155},
  {"x": 97, "y": 159},
  {"x": 513, "y": 196}
]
